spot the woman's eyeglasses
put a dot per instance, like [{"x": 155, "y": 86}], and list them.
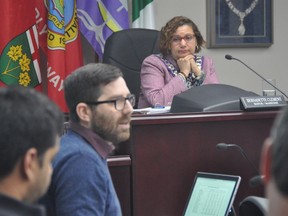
[{"x": 187, "y": 38}]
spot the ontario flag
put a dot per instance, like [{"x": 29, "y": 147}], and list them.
[
  {"x": 60, "y": 40},
  {"x": 19, "y": 44}
]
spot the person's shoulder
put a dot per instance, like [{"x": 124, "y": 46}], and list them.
[
  {"x": 206, "y": 57},
  {"x": 71, "y": 140},
  {"x": 70, "y": 135},
  {"x": 11, "y": 206},
  {"x": 73, "y": 144},
  {"x": 75, "y": 157},
  {"x": 152, "y": 58},
  {"x": 207, "y": 60}
]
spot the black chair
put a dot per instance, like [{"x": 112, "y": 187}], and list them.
[
  {"x": 253, "y": 206},
  {"x": 127, "y": 49}
]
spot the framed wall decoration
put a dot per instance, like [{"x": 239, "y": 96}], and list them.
[{"x": 239, "y": 23}]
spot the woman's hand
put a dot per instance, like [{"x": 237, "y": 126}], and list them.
[
  {"x": 194, "y": 68},
  {"x": 185, "y": 64}
]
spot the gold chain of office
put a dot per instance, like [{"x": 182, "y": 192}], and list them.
[{"x": 241, "y": 14}]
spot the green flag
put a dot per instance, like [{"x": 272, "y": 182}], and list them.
[
  {"x": 143, "y": 14},
  {"x": 18, "y": 62},
  {"x": 19, "y": 44}
]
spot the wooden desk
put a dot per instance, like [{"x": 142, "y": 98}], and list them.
[
  {"x": 167, "y": 150},
  {"x": 120, "y": 169}
]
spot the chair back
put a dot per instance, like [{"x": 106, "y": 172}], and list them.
[
  {"x": 127, "y": 49},
  {"x": 254, "y": 206}
]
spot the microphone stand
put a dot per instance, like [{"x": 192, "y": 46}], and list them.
[
  {"x": 229, "y": 57},
  {"x": 254, "y": 181}
]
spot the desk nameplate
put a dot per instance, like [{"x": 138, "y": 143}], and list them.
[{"x": 262, "y": 103}]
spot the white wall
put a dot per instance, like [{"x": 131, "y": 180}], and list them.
[{"x": 269, "y": 62}]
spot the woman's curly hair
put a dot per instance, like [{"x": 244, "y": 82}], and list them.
[{"x": 170, "y": 28}]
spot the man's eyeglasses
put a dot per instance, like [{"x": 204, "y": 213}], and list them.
[
  {"x": 119, "y": 102},
  {"x": 188, "y": 39}
]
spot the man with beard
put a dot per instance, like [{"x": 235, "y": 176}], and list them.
[{"x": 100, "y": 106}]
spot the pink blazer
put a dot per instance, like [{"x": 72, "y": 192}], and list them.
[{"x": 158, "y": 85}]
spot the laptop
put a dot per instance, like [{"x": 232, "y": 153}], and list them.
[{"x": 212, "y": 194}]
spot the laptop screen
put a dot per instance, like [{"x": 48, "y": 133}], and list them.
[{"x": 212, "y": 194}]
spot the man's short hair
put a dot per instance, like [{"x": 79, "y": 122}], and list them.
[
  {"x": 279, "y": 135},
  {"x": 28, "y": 119},
  {"x": 85, "y": 84}
]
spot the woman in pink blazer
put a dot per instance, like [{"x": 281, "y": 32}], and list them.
[{"x": 178, "y": 67}]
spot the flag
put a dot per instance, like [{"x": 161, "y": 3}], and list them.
[
  {"x": 99, "y": 19},
  {"x": 60, "y": 40},
  {"x": 19, "y": 45},
  {"x": 143, "y": 14}
]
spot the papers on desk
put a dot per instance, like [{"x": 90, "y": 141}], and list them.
[{"x": 152, "y": 110}]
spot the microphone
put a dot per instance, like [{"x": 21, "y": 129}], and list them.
[
  {"x": 229, "y": 57},
  {"x": 254, "y": 181},
  {"x": 224, "y": 146}
]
